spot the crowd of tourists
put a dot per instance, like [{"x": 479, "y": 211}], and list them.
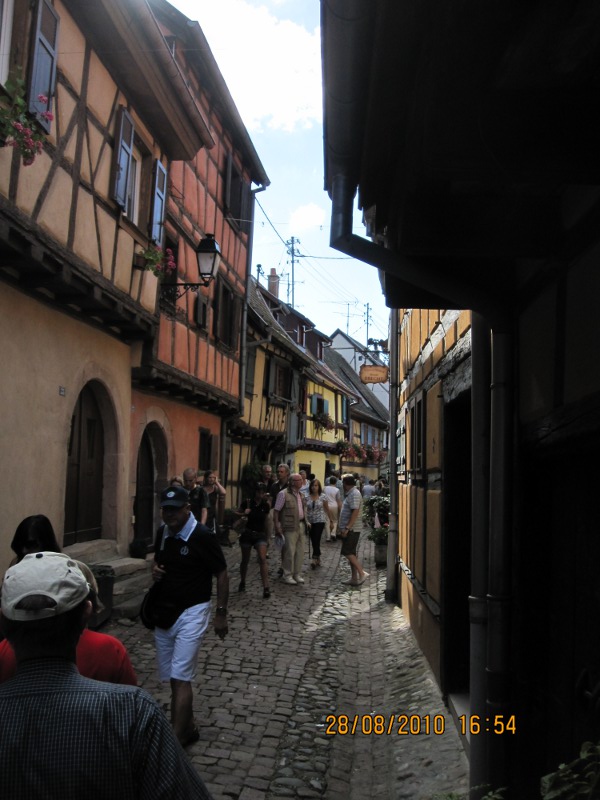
[{"x": 100, "y": 735}]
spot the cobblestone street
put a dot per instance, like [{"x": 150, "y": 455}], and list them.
[{"x": 269, "y": 699}]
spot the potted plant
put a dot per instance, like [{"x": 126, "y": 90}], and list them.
[
  {"x": 379, "y": 536},
  {"x": 375, "y": 515},
  {"x": 155, "y": 261}
]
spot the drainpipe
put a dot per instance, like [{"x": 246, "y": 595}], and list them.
[
  {"x": 438, "y": 289},
  {"x": 244, "y": 321},
  {"x": 391, "y": 581},
  {"x": 480, "y": 488},
  {"x": 500, "y": 532}
]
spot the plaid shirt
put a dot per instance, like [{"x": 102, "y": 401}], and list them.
[{"x": 68, "y": 737}]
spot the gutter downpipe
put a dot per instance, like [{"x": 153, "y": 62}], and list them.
[
  {"x": 244, "y": 322},
  {"x": 480, "y": 515},
  {"x": 498, "y": 529},
  {"x": 500, "y": 541},
  {"x": 391, "y": 579},
  {"x": 243, "y": 339}
]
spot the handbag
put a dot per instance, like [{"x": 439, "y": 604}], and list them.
[
  {"x": 155, "y": 613},
  {"x": 146, "y": 609}
]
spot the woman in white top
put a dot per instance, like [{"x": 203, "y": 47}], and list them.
[
  {"x": 334, "y": 499},
  {"x": 317, "y": 512}
]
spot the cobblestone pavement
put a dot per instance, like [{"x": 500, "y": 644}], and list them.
[{"x": 268, "y": 699}]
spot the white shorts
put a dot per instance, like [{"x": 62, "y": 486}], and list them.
[{"x": 177, "y": 647}]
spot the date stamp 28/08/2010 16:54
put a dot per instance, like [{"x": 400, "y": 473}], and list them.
[{"x": 415, "y": 724}]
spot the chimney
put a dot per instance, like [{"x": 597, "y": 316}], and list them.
[{"x": 273, "y": 282}]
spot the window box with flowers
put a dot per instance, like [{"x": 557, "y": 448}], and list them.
[
  {"x": 323, "y": 421},
  {"x": 154, "y": 260},
  {"x": 18, "y": 128}
]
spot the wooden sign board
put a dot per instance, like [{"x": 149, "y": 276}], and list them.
[{"x": 372, "y": 373}]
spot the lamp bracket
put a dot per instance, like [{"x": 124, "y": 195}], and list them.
[{"x": 177, "y": 290}]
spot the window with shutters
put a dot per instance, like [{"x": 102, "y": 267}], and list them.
[
  {"x": 226, "y": 315},
  {"x": 415, "y": 437},
  {"x": 237, "y": 197},
  {"x": 250, "y": 371},
  {"x": 42, "y": 76},
  {"x": 6, "y": 22},
  {"x": 278, "y": 385},
  {"x": 139, "y": 184},
  {"x": 401, "y": 446},
  {"x": 318, "y": 405}
]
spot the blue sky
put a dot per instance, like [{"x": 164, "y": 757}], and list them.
[{"x": 269, "y": 54}]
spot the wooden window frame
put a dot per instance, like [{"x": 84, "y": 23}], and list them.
[
  {"x": 42, "y": 75},
  {"x": 416, "y": 438},
  {"x": 6, "y": 24},
  {"x": 237, "y": 197}
]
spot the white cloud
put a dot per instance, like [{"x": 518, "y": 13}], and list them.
[
  {"x": 307, "y": 218},
  {"x": 271, "y": 66}
]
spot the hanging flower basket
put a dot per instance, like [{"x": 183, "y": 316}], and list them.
[{"x": 18, "y": 128}]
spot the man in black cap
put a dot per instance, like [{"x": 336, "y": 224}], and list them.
[
  {"x": 186, "y": 557},
  {"x": 65, "y": 736}
]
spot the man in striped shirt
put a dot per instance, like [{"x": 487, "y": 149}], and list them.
[{"x": 68, "y": 737}]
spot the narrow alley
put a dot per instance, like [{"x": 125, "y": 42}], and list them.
[{"x": 272, "y": 700}]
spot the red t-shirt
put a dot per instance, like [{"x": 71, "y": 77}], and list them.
[{"x": 99, "y": 656}]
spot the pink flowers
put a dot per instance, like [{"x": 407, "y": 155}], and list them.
[
  {"x": 157, "y": 263},
  {"x": 17, "y": 126},
  {"x": 47, "y": 115}
]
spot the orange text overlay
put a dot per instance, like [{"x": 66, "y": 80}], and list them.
[{"x": 385, "y": 724}]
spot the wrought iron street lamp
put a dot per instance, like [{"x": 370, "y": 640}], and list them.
[{"x": 208, "y": 255}]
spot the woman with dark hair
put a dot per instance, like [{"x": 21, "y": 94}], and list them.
[
  {"x": 256, "y": 512},
  {"x": 317, "y": 512},
  {"x": 33, "y": 535}
]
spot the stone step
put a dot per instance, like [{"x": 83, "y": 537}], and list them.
[
  {"x": 131, "y": 577},
  {"x": 94, "y": 552}
]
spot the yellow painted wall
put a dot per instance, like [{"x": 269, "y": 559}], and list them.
[
  {"x": 420, "y": 504},
  {"x": 44, "y": 353},
  {"x": 312, "y": 431}
]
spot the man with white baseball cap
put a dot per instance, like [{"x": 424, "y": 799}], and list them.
[{"x": 65, "y": 736}]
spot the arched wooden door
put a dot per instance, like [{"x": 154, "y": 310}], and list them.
[
  {"x": 85, "y": 468},
  {"x": 151, "y": 478},
  {"x": 144, "y": 503}
]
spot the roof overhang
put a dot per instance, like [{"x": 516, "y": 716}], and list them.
[
  {"x": 470, "y": 135},
  {"x": 128, "y": 40}
]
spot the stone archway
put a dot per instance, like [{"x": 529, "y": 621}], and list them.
[
  {"x": 90, "y": 479},
  {"x": 151, "y": 478}
]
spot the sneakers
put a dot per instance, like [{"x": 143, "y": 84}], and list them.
[
  {"x": 242, "y": 586},
  {"x": 290, "y": 580},
  {"x": 280, "y": 572},
  {"x": 298, "y": 579},
  {"x": 266, "y": 593},
  {"x": 362, "y": 578}
]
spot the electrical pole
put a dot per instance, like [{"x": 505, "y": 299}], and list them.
[
  {"x": 367, "y": 306},
  {"x": 291, "y": 245}
]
